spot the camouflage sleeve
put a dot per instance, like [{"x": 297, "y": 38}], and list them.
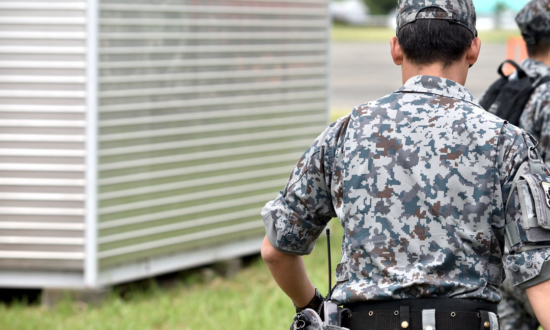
[
  {"x": 528, "y": 267},
  {"x": 298, "y": 216},
  {"x": 536, "y": 119}
]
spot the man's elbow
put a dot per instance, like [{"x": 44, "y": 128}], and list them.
[{"x": 270, "y": 255}]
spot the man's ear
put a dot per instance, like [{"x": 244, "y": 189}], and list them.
[
  {"x": 396, "y": 51},
  {"x": 472, "y": 54}
]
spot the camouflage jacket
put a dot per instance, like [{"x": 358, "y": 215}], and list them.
[
  {"x": 417, "y": 179},
  {"x": 536, "y": 115}
]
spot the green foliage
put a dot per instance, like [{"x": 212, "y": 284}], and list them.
[
  {"x": 344, "y": 33},
  {"x": 250, "y": 301},
  {"x": 380, "y": 7},
  {"x": 500, "y": 7}
]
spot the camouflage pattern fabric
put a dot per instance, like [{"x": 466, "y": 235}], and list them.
[
  {"x": 514, "y": 310},
  {"x": 418, "y": 180},
  {"x": 536, "y": 115},
  {"x": 534, "y": 21},
  {"x": 456, "y": 11}
]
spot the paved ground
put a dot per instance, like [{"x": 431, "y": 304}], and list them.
[{"x": 365, "y": 72}]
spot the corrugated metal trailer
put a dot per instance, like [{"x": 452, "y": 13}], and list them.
[{"x": 140, "y": 137}]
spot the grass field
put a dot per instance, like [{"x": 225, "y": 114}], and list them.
[
  {"x": 250, "y": 301},
  {"x": 343, "y": 33}
]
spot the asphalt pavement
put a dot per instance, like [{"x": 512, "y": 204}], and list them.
[{"x": 362, "y": 72}]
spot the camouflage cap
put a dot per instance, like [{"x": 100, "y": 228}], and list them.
[
  {"x": 456, "y": 11},
  {"x": 534, "y": 21}
]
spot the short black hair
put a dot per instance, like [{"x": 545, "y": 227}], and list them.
[
  {"x": 541, "y": 48},
  {"x": 429, "y": 41}
]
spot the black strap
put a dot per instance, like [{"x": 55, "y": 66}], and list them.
[
  {"x": 439, "y": 304},
  {"x": 520, "y": 71},
  {"x": 485, "y": 320},
  {"x": 404, "y": 316},
  {"x": 389, "y": 320}
]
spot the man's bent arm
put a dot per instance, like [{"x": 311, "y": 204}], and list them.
[
  {"x": 539, "y": 296},
  {"x": 290, "y": 274}
]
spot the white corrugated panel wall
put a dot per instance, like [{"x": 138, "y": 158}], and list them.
[
  {"x": 205, "y": 107},
  {"x": 42, "y": 110}
]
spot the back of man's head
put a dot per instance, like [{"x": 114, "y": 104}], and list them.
[
  {"x": 435, "y": 31},
  {"x": 534, "y": 22}
]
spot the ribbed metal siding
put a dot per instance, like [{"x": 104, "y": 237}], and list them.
[
  {"x": 205, "y": 106},
  {"x": 42, "y": 98}
]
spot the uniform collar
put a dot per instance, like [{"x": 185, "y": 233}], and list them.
[
  {"x": 534, "y": 67},
  {"x": 437, "y": 86}
]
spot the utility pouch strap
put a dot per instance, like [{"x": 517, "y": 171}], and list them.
[
  {"x": 512, "y": 234},
  {"x": 535, "y": 160},
  {"x": 489, "y": 321},
  {"x": 404, "y": 315},
  {"x": 428, "y": 319}
]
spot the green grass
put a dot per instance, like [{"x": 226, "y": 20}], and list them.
[
  {"x": 250, "y": 301},
  {"x": 344, "y": 33}
]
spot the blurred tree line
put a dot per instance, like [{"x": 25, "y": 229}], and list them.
[{"x": 380, "y": 7}]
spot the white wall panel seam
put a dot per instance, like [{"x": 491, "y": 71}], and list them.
[
  {"x": 143, "y": 134},
  {"x": 22, "y": 20},
  {"x": 287, "y": 73},
  {"x": 42, "y": 182},
  {"x": 49, "y": 35},
  {"x": 320, "y": 2},
  {"x": 205, "y": 181},
  {"x": 245, "y": 22},
  {"x": 41, "y": 138},
  {"x": 42, "y": 94},
  {"x": 18, "y": 240},
  {"x": 306, "y": 59},
  {"x": 226, "y": 126},
  {"x": 153, "y": 147},
  {"x": 212, "y": 88},
  {"x": 186, "y": 211},
  {"x": 41, "y": 197},
  {"x": 213, "y": 49},
  {"x": 42, "y": 108},
  {"x": 194, "y": 196},
  {"x": 179, "y": 226},
  {"x": 41, "y": 50},
  {"x": 281, "y": 35},
  {"x": 204, "y": 155},
  {"x": 32, "y": 226},
  {"x": 91, "y": 262},
  {"x": 53, "y": 6},
  {"x": 211, "y": 9},
  {"x": 43, "y": 64},
  {"x": 42, "y": 167},
  {"x": 42, "y": 152},
  {"x": 40, "y": 211},
  {"x": 40, "y": 123},
  {"x": 181, "y": 239},
  {"x": 216, "y": 114},
  {"x": 280, "y": 97},
  {"x": 41, "y": 255},
  {"x": 187, "y": 170},
  {"x": 43, "y": 79}
]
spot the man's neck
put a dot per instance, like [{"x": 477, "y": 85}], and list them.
[
  {"x": 457, "y": 72},
  {"x": 544, "y": 59}
]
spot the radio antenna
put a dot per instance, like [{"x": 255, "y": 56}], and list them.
[{"x": 329, "y": 266}]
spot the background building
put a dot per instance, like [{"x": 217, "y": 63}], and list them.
[{"x": 139, "y": 138}]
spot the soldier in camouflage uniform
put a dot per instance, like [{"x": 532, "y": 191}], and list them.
[
  {"x": 422, "y": 180},
  {"x": 534, "y": 22}
]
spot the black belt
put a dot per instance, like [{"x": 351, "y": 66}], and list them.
[{"x": 450, "y": 314}]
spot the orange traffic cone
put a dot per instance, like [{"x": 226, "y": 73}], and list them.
[{"x": 516, "y": 51}]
